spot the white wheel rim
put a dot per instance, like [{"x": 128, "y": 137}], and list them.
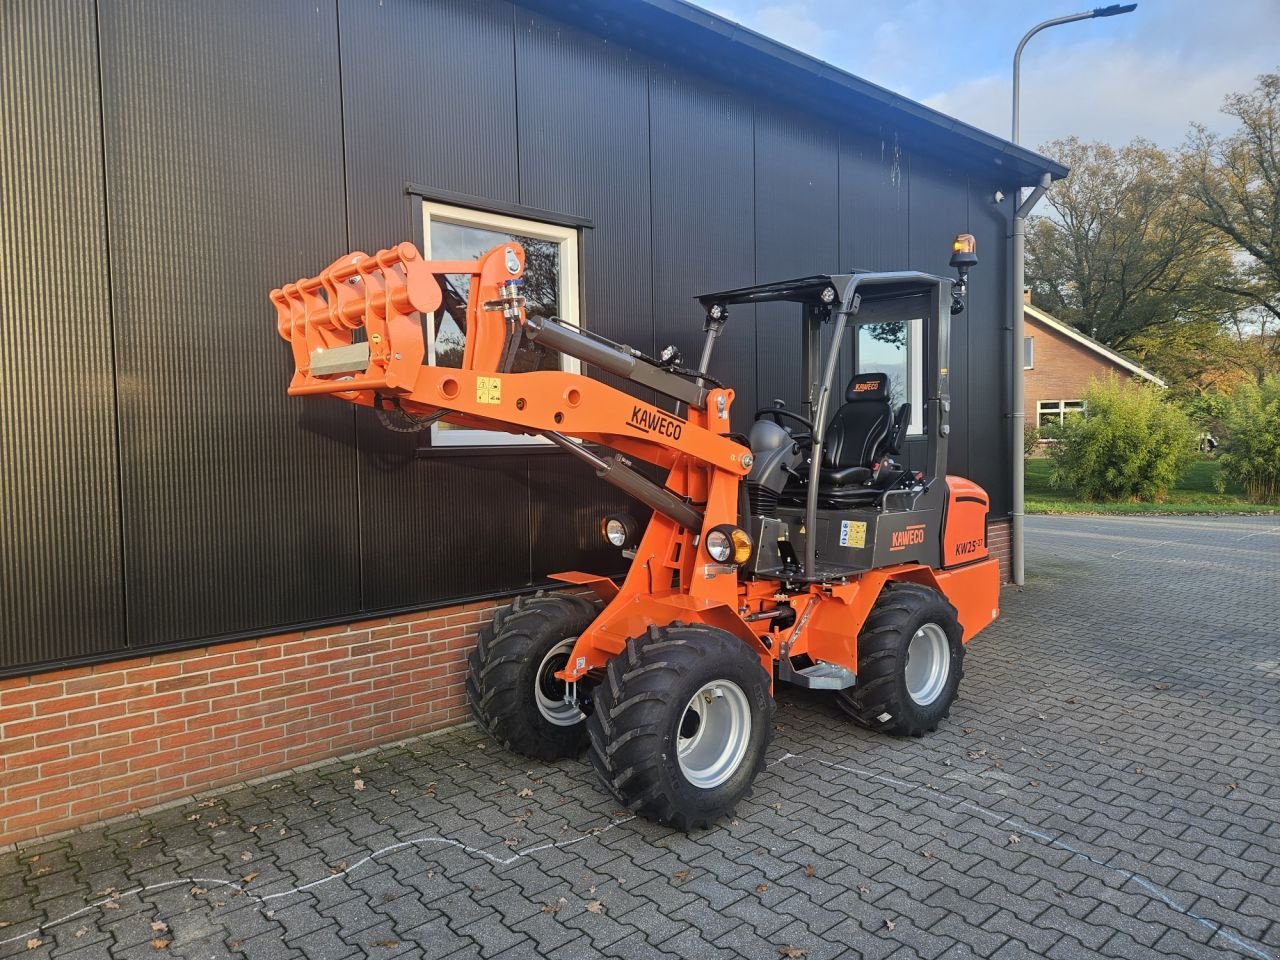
[
  {"x": 928, "y": 664},
  {"x": 548, "y": 692},
  {"x": 714, "y": 733}
]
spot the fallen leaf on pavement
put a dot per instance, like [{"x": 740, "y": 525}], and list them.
[
  {"x": 889, "y": 924},
  {"x": 159, "y": 944},
  {"x": 1014, "y": 838},
  {"x": 198, "y": 891},
  {"x": 358, "y": 784},
  {"x": 809, "y": 870},
  {"x": 595, "y": 906},
  {"x": 681, "y": 876},
  {"x": 250, "y": 877},
  {"x": 524, "y": 792},
  {"x": 790, "y": 951},
  {"x": 865, "y": 891},
  {"x": 246, "y": 857},
  {"x": 33, "y": 943},
  {"x": 761, "y": 887},
  {"x": 159, "y": 926},
  {"x": 386, "y": 943}
]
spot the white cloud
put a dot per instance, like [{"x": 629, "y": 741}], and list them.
[{"x": 1103, "y": 91}]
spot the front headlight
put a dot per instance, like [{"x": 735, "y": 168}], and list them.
[
  {"x": 728, "y": 544},
  {"x": 619, "y": 529}
]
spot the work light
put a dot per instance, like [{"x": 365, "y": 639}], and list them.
[
  {"x": 619, "y": 529},
  {"x": 728, "y": 544}
]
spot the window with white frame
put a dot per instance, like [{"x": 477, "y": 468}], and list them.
[
  {"x": 895, "y": 348},
  {"x": 1053, "y": 412},
  {"x": 1028, "y": 353},
  {"x": 550, "y": 290}
]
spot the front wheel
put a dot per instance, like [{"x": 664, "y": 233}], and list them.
[
  {"x": 910, "y": 661},
  {"x": 681, "y": 723},
  {"x": 511, "y": 681}
]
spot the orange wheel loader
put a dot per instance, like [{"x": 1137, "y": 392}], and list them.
[{"x": 806, "y": 553}]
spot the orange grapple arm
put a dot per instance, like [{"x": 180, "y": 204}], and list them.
[{"x": 387, "y": 295}]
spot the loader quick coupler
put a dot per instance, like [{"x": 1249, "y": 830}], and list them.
[{"x": 801, "y": 554}]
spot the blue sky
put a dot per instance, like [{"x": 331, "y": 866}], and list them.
[{"x": 1148, "y": 73}]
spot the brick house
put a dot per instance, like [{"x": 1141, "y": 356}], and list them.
[{"x": 1059, "y": 362}]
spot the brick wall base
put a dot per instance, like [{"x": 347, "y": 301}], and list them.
[
  {"x": 91, "y": 743},
  {"x": 998, "y": 543}
]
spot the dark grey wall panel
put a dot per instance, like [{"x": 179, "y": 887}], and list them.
[
  {"x": 875, "y": 184},
  {"x": 61, "y": 589},
  {"x": 224, "y": 166},
  {"x": 567, "y": 502},
  {"x": 703, "y": 222},
  {"x": 438, "y": 528},
  {"x": 988, "y": 355},
  {"x": 797, "y": 234},
  {"x": 940, "y": 210},
  {"x": 588, "y": 155},
  {"x": 238, "y": 145},
  {"x": 429, "y": 97}
]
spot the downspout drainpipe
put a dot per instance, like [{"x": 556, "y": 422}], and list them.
[{"x": 1018, "y": 403}]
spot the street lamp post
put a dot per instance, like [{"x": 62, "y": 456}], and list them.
[{"x": 1021, "y": 209}]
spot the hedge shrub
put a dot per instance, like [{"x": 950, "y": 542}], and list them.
[
  {"x": 1131, "y": 444},
  {"x": 1250, "y": 454}
]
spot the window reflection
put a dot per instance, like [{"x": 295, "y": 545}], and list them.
[{"x": 452, "y": 241}]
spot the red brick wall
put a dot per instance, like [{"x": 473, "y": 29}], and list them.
[
  {"x": 1063, "y": 368},
  {"x": 86, "y": 744},
  {"x": 998, "y": 544}
]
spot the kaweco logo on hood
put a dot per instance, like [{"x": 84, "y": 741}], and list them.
[{"x": 648, "y": 420}]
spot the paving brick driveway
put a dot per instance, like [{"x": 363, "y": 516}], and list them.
[{"x": 1108, "y": 785}]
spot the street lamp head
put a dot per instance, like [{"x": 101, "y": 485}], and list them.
[{"x": 1115, "y": 9}]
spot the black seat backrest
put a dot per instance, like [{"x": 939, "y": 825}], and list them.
[
  {"x": 860, "y": 430},
  {"x": 899, "y": 433}
]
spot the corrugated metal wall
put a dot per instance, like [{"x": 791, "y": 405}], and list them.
[{"x": 156, "y": 484}]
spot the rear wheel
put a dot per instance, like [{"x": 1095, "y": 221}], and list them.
[
  {"x": 681, "y": 723},
  {"x": 511, "y": 683},
  {"x": 910, "y": 661}
]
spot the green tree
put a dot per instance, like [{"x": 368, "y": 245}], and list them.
[
  {"x": 1122, "y": 251},
  {"x": 1233, "y": 183},
  {"x": 1130, "y": 444}
]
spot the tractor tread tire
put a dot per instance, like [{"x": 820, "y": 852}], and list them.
[
  {"x": 499, "y": 686},
  {"x": 880, "y": 691},
  {"x": 637, "y": 712}
]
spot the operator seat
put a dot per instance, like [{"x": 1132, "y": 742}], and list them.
[{"x": 863, "y": 432}]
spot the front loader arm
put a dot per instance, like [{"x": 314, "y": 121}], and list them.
[{"x": 386, "y": 296}]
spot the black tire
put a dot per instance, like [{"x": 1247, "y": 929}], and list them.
[
  {"x": 882, "y": 699},
  {"x": 511, "y": 660},
  {"x": 644, "y": 717}
]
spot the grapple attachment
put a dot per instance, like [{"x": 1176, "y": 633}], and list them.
[{"x": 387, "y": 294}]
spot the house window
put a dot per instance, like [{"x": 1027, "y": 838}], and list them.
[
  {"x": 1053, "y": 412},
  {"x": 895, "y": 348},
  {"x": 550, "y": 290},
  {"x": 1028, "y": 353}
]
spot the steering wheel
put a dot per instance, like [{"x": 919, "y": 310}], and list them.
[{"x": 777, "y": 413}]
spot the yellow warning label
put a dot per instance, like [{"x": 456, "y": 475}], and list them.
[
  {"x": 488, "y": 390},
  {"x": 853, "y": 533}
]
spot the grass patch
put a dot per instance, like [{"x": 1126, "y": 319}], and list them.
[{"x": 1194, "y": 493}]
